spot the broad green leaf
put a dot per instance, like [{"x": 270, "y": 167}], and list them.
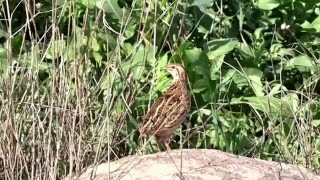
[
  {"x": 74, "y": 46},
  {"x": 127, "y": 48},
  {"x": 254, "y": 77},
  {"x": 224, "y": 122},
  {"x": 200, "y": 85},
  {"x": 268, "y": 4},
  {"x": 293, "y": 101},
  {"x": 269, "y": 105},
  {"x": 162, "y": 63},
  {"x": 199, "y": 61},
  {"x": 97, "y": 57},
  {"x": 302, "y": 61},
  {"x": 315, "y": 123},
  {"x": 220, "y": 47},
  {"x": 112, "y": 81},
  {"x": 111, "y": 7},
  {"x": 137, "y": 62},
  {"x": 249, "y": 77},
  {"x": 208, "y": 95},
  {"x": 34, "y": 62},
  {"x": 258, "y": 33},
  {"x": 94, "y": 44},
  {"x": 314, "y": 25},
  {"x": 245, "y": 50},
  {"x": 276, "y": 89},
  {"x": 226, "y": 78},
  {"x": 56, "y": 49},
  {"x": 203, "y": 3},
  {"x": 275, "y": 49},
  {"x": 256, "y": 85},
  {"x": 215, "y": 67},
  {"x": 130, "y": 29},
  {"x": 60, "y": 2},
  {"x": 162, "y": 81},
  {"x": 204, "y": 6},
  {"x": 253, "y": 72},
  {"x": 240, "y": 80},
  {"x": 307, "y": 25},
  {"x": 109, "y": 38},
  {"x": 16, "y": 44}
]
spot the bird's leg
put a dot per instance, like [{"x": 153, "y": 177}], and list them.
[{"x": 166, "y": 142}]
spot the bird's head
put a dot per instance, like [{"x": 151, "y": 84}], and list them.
[{"x": 176, "y": 70}]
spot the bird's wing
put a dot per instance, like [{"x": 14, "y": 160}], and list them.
[{"x": 164, "y": 113}]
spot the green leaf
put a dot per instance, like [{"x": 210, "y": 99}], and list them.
[
  {"x": 316, "y": 123},
  {"x": 16, "y": 44},
  {"x": 94, "y": 44},
  {"x": 199, "y": 61},
  {"x": 245, "y": 50},
  {"x": 109, "y": 38},
  {"x": 268, "y": 105},
  {"x": 200, "y": 85},
  {"x": 229, "y": 75},
  {"x": 249, "y": 77},
  {"x": 302, "y": 61},
  {"x": 130, "y": 29},
  {"x": 241, "y": 17},
  {"x": 203, "y": 3},
  {"x": 220, "y": 47},
  {"x": 137, "y": 62},
  {"x": 162, "y": 81},
  {"x": 259, "y": 32},
  {"x": 204, "y": 6},
  {"x": 293, "y": 101},
  {"x": 256, "y": 85},
  {"x": 112, "y": 81},
  {"x": 315, "y": 25},
  {"x": 268, "y": 4},
  {"x": 97, "y": 57},
  {"x": 4, "y": 62},
  {"x": 276, "y": 89},
  {"x": 254, "y": 76},
  {"x": 109, "y": 6},
  {"x": 34, "y": 62},
  {"x": 161, "y": 63},
  {"x": 277, "y": 50},
  {"x": 215, "y": 67},
  {"x": 73, "y": 49},
  {"x": 127, "y": 48},
  {"x": 224, "y": 122},
  {"x": 56, "y": 49}
]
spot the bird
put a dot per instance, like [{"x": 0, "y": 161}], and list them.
[{"x": 169, "y": 110}]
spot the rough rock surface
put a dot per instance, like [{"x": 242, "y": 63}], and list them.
[{"x": 195, "y": 164}]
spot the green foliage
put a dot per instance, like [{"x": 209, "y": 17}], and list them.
[{"x": 78, "y": 77}]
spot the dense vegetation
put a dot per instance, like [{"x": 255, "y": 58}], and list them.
[{"x": 77, "y": 77}]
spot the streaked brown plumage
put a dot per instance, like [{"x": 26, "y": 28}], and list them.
[{"x": 169, "y": 110}]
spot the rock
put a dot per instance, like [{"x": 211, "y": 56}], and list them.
[{"x": 195, "y": 164}]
